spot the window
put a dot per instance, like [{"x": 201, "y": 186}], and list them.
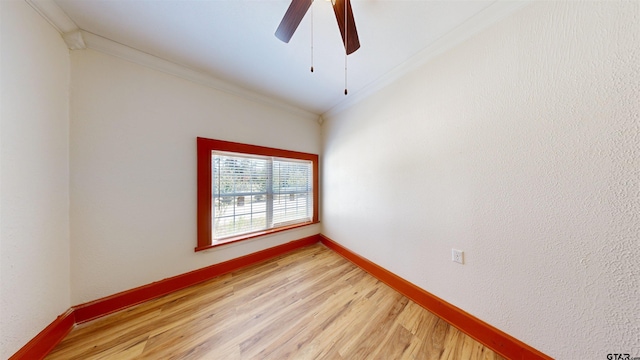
[{"x": 245, "y": 191}]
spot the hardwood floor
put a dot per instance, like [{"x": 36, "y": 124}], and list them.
[{"x": 309, "y": 304}]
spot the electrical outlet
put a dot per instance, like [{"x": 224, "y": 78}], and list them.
[{"x": 457, "y": 256}]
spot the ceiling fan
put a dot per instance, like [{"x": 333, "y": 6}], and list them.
[{"x": 344, "y": 15}]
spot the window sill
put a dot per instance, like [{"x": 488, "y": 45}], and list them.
[{"x": 254, "y": 235}]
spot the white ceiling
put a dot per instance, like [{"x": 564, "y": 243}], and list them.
[{"x": 233, "y": 40}]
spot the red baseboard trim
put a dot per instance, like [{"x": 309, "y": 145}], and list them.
[
  {"x": 486, "y": 334},
  {"x": 495, "y": 339},
  {"x": 47, "y": 339},
  {"x": 110, "y": 304}
]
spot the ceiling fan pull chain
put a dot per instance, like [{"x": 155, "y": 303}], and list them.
[
  {"x": 345, "y": 74},
  {"x": 346, "y": 38},
  {"x": 311, "y": 36}
]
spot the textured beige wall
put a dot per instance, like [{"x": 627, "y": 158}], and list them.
[
  {"x": 521, "y": 147},
  {"x": 34, "y": 180},
  {"x": 133, "y": 170}
]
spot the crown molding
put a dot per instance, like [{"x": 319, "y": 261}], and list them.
[
  {"x": 78, "y": 39},
  {"x": 74, "y": 40},
  {"x": 107, "y": 46},
  {"x": 60, "y": 21},
  {"x": 493, "y": 13},
  {"x": 54, "y": 15}
]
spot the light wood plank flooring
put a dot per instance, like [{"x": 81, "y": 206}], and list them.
[{"x": 309, "y": 304}]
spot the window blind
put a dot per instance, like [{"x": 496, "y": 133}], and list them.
[{"x": 254, "y": 193}]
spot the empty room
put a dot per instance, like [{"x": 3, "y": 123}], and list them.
[{"x": 341, "y": 179}]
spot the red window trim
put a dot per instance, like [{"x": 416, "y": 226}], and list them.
[{"x": 204, "y": 148}]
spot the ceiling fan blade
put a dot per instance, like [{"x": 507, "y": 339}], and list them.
[
  {"x": 292, "y": 18},
  {"x": 351, "y": 43}
]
